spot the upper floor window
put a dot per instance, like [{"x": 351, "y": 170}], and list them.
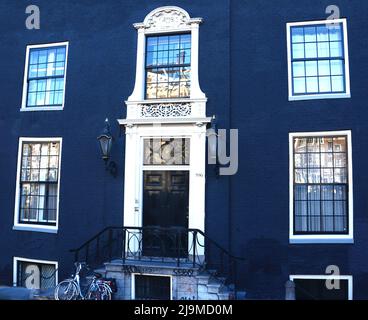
[
  {"x": 318, "y": 60},
  {"x": 168, "y": 66},
  {"x": 38, "y": 183},
  {"x": 321, "y": 185},
  {"x": 44, "y": 85}
]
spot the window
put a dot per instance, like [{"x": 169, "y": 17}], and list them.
[
  {"x": 166, "y": 151},
  {"x": 151, "y": 287},
  {"x": 321, "y": 184},
  {"x": 35, "y": 274},
  {"x": 38, "y": 182},
  {"x": 315, "y": 287},
  {"x": 44, "y": 85},
  {"x": 168, "y": 66},
  {"x": 318, "y": 60}
]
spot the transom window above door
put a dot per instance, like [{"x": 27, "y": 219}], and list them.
[
  {"x": 168, "y": 66},
  {"x": 318, "y": 60},
  {"x": 166, "y": 151}
]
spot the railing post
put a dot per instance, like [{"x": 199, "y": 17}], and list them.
[
  {"x": 87, "y": 253},
  {"x": 194, "y": 247},
  {"x": 124, "y": 244},
  {"x": 110, "y": 244},
  {"x": 98, "y": 250},
  {"x": 178, "y": 242}
]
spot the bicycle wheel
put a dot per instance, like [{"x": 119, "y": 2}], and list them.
[
  {"x": 66, "y": 290},
  {"x": 99, "y": 292}
]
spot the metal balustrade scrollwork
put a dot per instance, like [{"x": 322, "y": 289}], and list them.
[{"x": 173, "y": 246}]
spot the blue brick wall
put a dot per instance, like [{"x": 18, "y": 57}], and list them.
[{"x": 243, "y": 71}]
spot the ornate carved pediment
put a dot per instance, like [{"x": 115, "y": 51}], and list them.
[{"x": 166, "y": 18}]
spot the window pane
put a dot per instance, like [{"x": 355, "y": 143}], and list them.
[
  {"x": 340, "y": 176},
  {"x": 337, "y": 83},
  {"x": 326, "y": 160},
  {"x": 297, "y": 34},
  {"x": 301, "y": 161},
  {"x": 336, "y": 49},
  {"x": 299, "y": 85},
  {"x": 312, "y": 84},
  {"x": 311, "y": 68},
  {"x": 314, "y": 176},
  {"x": 310, "y": 34},
  {"x": 311, "y": 50},
  {"x": 337, "y": 67},
  {"x": 325, "y": 84},
  {"x": 322, "y": 33},
  {"x": 335, "y": 32},
  {"x": 327, "y": 192},
  {"x": 339, "y": 144},
  {"x": 323, "y": 50},
  {"x": 300, "y": 192},
  {"x": 300, "y": 144},
  {"x": 301, "y": 176},
  {"x": 314, "y": 160},
  {"x": 323, "y": 68},
  {"x": 298, "y": 51},
  {"x": 298, "y": 69},
  {"x": 327, "y": 176}
]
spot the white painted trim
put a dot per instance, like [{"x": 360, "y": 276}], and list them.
[
  {"x": 146, "y": 28},
  {"x": 327, "y": 277},
  {"x": 25, "y": 84},
  {"x": 18, "y": 259},
  {"x": 300, "y": 239},
  {"x": 151, "y": 275},
  {"x": 347, "y": 94},
  {"x": 133, "y": 195},
  {"x": 35, "y": 227}
]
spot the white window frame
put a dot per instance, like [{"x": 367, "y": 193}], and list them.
[
  {"x": 327, "y": 277},
  {"x": 150, "y": 275},
  {"x": 322, "y": 238},
  {"x": 152, "y": 25},
  {"x": 306, "y": 96},
  {"x": 16, "y": 260},
  {"x": 35, "y": 227},
  {"x": 25, "y": 83}
]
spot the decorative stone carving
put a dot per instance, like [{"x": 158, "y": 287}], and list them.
[
  {"x": 166, "y": 110},
  {"x": 167, "y": 18}
]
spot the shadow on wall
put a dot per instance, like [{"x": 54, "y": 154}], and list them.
[
  {"x": 265, "y": 274},
  {"x": 6, "y": 276}
]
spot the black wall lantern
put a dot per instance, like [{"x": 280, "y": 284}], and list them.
[{"x": 105, "y": 140}]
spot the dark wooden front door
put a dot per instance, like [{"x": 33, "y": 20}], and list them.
[{"x": 165, "y": 205}]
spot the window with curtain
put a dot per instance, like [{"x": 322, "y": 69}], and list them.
[
  {"x": 321, "y": 185},
  {"x": 39, "y": 180},
  {"x": 46, "y": 76},
  {"x": 317, "y": 59},
  {"x": 168, "y": 66}
]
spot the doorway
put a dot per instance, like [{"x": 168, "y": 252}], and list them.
[{"x": 165, "y": 213}]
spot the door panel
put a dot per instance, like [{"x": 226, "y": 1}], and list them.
[{"x": 165, "y": 204}]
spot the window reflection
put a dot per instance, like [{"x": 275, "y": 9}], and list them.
[
  {"x": 320, "y": 184},
  {"x": 168, "y": 68},
  {"x": 317, "y": 59}
]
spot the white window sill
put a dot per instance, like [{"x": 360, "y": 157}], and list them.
[
  {"x": 35, "y": 228},
  {"x": 41, "y": 109},
  {"x": 320, "y": 96},
  {"x": 330, "y": 239}
]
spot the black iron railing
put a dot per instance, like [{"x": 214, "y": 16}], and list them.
[{"x": 179, "y": 247}]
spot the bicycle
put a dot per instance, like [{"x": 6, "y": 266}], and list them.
[{"x": 70, "y": 289}]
